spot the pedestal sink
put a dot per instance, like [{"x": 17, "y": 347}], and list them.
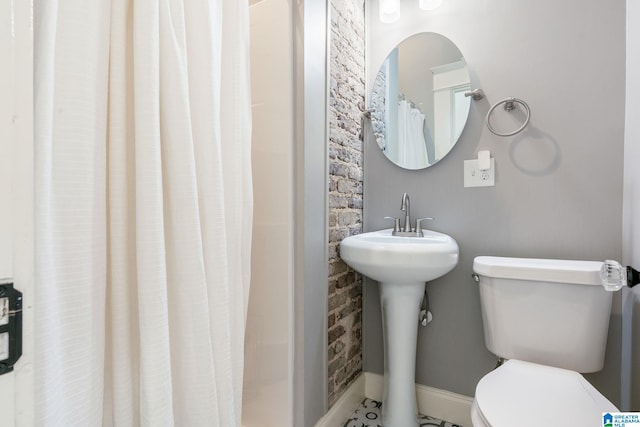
[{"x": 402, "y": 265}]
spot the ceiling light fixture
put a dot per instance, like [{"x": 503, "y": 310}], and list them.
[
  {"x": 430, "y": 4},
  {"x": 389, "y": 10}
]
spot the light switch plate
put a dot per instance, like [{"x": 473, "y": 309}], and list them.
[{"x": 475, "y": 177}]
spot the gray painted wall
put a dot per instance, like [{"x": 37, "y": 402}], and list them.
[
  {"x": 558, "y": 190},
  {"x": 414, "y": 72}
]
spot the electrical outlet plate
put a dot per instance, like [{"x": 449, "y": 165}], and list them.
[{"x": 475, "y": 177}]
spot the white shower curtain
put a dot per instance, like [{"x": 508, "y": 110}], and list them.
[
  {"x": 143, "y": 211},
  {"x": 412, "y": 149}
]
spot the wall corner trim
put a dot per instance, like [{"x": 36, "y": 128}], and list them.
[{"x": 345, "y": 405}]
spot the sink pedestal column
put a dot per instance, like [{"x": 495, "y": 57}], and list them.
[{"x": 400, "y": 304}]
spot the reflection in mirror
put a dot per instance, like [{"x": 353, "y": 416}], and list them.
[{"x": 418, "y": 105}]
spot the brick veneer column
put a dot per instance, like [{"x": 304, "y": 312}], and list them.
[{"x": 345, "y": 191}]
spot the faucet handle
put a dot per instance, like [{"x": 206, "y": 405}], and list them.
[
  {"x": 419, "y": 224},
  {"x": 396, "y": 226}
]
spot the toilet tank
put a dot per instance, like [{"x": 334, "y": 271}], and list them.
[{"x": 551, "y": 312}]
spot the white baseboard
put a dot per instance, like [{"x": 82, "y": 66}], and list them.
[
  {"x": 345, "y": 406},
  {"x": 445, "y": 405},
  {"x": 441, "y": 404}
]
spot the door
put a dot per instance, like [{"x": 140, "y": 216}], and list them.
[
  {"x": 16, "y": 195},
  {"x": 631, "y": 218}
]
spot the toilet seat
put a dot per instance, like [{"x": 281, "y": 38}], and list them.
[{"x": 526, "y": 394}]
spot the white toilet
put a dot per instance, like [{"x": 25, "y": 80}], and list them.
[{"x": 550, "y": 319}]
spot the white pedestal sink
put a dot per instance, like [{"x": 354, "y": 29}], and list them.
[{"x": 402, "y": 265}]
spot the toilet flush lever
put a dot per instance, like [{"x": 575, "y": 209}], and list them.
[{"x": 614, "y": 276}]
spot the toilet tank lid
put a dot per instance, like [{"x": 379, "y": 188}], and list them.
[{"x": 544, "y": 270}]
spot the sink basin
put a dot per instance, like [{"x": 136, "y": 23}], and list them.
[
  {"x": 402, "y": 265},
  {"x": 395, "y": 259}
]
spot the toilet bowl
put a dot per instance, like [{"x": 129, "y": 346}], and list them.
[
  {"x": 549, "y": 319},
  {"x": 525, "y": 394}
]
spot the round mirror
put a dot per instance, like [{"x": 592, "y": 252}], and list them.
[{"x": 418, "y": 104}]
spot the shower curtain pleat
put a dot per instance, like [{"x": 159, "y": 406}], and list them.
[
  {"x": 412, "y": 149},
  {"x": 236, "y": 158},
  {"x": 70, "y": 216},
  {"x": 145, "y": 202},
  {"x": 122, "y": 378}
]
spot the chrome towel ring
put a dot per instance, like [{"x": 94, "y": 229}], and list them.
[{"x": 509, "y": 105}]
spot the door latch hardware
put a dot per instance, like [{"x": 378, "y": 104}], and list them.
[{"x": 10, "y": 327}]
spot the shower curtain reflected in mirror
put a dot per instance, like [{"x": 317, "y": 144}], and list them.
[
  {"x": 143, "y": 211},
  {"x": 412, "y": 148}
]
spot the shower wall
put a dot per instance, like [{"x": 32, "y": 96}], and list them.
[
  {"x": 268, "y": 395},
  {"x": 346, "y": 102}
]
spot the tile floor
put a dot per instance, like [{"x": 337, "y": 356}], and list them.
[{"x": 368, "y": 415}]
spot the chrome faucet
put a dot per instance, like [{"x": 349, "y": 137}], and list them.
[
  {"x": 405, "y": 206},
  {"x": 407, "y": 230}
]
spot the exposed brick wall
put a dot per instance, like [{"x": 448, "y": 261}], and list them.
[
  {"x": 345, "y": 191},
  {"x": 378, "y": 104}
]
